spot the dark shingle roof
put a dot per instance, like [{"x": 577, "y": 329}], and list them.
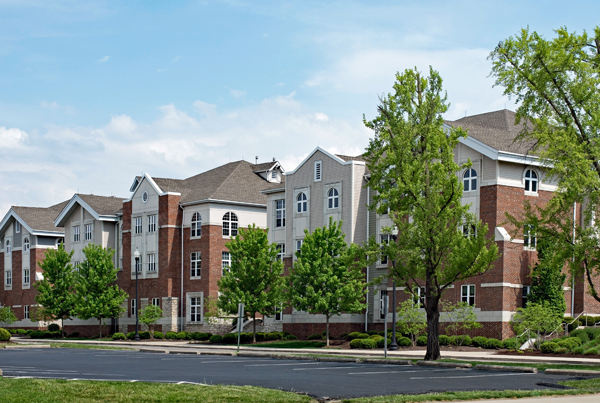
[
  {"x": 350, "y": 158},
  {"x": 497, "y": 130},
  {"x": 103, "y": 205},
  {"x": 40, "y": 218},
  {"x": 265, "y": 166}
]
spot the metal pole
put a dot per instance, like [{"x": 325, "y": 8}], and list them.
[
  {"x": 385, "y": 309},
  {"x": 393, "y": 344},
  {"x": 137, "y": 302},
  {"x": 240, "y": 322}
]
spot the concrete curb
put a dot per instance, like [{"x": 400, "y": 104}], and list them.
[
  {"x": 571, "y": 372},
  {"x": 226, "y": 353},
  {"x": 184, "y": 352},
  {"x": 387, "y": 362},
  {"x": 443, "y": 364},
  {"x": 148, "y": 350},
  {"x": 506, "y": 368},
  {"x": 29, "y": 346}
]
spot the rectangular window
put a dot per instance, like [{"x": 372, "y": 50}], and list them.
[
  {"x": 279, "y": 213},
  {"x": 156, "y": 302},
  {"x": 529, "y": 237},
  {"x": 196, "y": 265},
  {"x": 138, "y": 225},
  {"x": 280, "y": 251},
  {"x": 17, "y": 227},
  {"x": 88, "y": 232},
  {"x": 526, "y": 292},
  {"x": 273, "y": 174},
  {"x": 195, "y": 309},
  {"x": 420, "y": 295},
  {"x": 299, "y": 245},
  {"x": 138, "y": 264},
  {"x": 469, "y": 231},
  {"x": 278, "y": 313},
  {"x": 8, "y": 277},
  {"x": 225, "y": 262},
  {"x": 152, "y": 223},
  {"x": 318, "y": 171},
  {"x": 385, "y": 239},
  {"x": 76, "y": 265},
  {"x": 382, "y": 296},
  {"x": 133, "y": 307},
  {"x": 26, "y": 312},
  {"x": 152, "y": 262},
  {"x": 468, "y": 294},
  {"x": 26, "y": 276},
  {"x": 76, "y": 233}
]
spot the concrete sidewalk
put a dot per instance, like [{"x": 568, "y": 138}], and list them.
[{"x": 483, "y": 355}]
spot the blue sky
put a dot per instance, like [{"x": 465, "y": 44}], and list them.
[{"x": 93, "y": 93}]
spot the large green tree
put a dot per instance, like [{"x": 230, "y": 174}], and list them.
[
  {"x": 556, "y": 82},
  {"x": 56, "y": 290},
  {"x": 327, "y": 276},
  {"x": 97, "y": 294},
  {"x": 547, "y": 277},
  {"x": 415, "y": 176},
  {"x": 255, "y": 276},
  {"x": 7, "y": 316}
]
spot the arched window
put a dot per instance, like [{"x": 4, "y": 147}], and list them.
[
  {"x": 301, "y": 203},
  {"x": 230, "y": 224},
  {"x": 531, "y": 181},
  {"x": 26, "y": 245},
  {"x": 333, "y": 198},
  {"x": 196, "y": 225},
  {"x": 470, "y": 180},
  {"x": 8, "y": 249}
]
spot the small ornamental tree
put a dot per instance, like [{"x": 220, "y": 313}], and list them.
[
  {"x": 547, "y": 278},
  {"x": 411, "y": 320},
  {"x": 254, "y": 277},
  {"x": 55, "y": 297},
  {"x": 460, "y": 317},
  {"x": 97, "y": 295},
  {"x": 7, "y": 316},
  {"x": 327, "y": 277},
  {"x": 149, "y": 316},
  {"x": 538, "y": 318}
]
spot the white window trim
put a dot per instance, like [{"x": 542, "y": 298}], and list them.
[
  {"x": 301, "y": 203},
  {"x": 76, "y": 233},
  {"x": 133, "y": 306},
  {"x": 282, "y": 210},
  {"x": 468, "y": 287},
  {"x": 88, "y": 235},
  {"x": 26, "y": 283},
  {"x": 230, "y": 222},
  {"x": 224, "y": 260},
  {"x": 318, "y": 176},
  {"x": 281, "y": 251},
  {"x": 152, "y": 264},
  {"x": 188, "y": 313},
  {"x": 26, "y": 312},
  {"x": 152, "y": 223},
  {"x": 17, "y": 227},
  {"x": 196, "y": 226},
  {"x": 8, "y": 278},
  {"x": 333, "y": 199},
  {"x": 470, "y": 180},
  {"x": 198, "y": 261},
  {"x": 136, "y": 226},
  {"x": 536, "y": 180},
  {"x": 157, "y": 300},
  {"x": 26, "y": 245}
]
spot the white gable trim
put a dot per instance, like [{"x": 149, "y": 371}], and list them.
[
  {"x": 11, "y": 213},
  {"x": 327, "y": 153},
  {"x": 59, "y": 221},
  {"x": 156, "y": 188}
]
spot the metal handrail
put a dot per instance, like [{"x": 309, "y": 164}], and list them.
[{"x": 573, "y": 321}]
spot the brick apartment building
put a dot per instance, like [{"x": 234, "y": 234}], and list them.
[
  {"x": 25, "y": 234},
  {"x": 504, "y": 174}
]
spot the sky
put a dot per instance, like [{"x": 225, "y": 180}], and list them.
[{"x": 93, "y": 93}]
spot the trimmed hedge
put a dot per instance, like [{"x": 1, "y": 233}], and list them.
[
  {"x": 229, "y": 338},
  {"x": 479, "y": 341},
  {"x": 549, "y": 347},
  {"x": 53, "y": 327},
  {"x": 119, "y": 336},
  {"x": 444, "y": 340},
  {"x": 422, "y": 341},
  {"x": 510, "y": 344},
  {"x": 372, "y": 332},
  {"x": 462, "y": 341},
  {"x": 4, "y": 334},
  {"x": 368, "y": 343},
  {"x": 171, "y": 336},
  {"x": 404, "y": 341},
  {"x": 291, "y": 337},
  {"x": 183, "y": 335},
  {"x": 356, "y": 343},
  {"x": 380, "y": 342},
  {"x": 159, "y": 335},
  {"x": 215, "y": 338},
  {"x": 313, "y": 337}
]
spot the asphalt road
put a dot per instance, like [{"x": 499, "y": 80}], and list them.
[{"x": 321, "y": 379}]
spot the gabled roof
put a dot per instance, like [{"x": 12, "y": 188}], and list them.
[
  {"x": 103, "y": 208},
  {"x": 342, "y": 159},
  {"x": 36, "y": 220},
  {"x": 267, "y": 166},
  {"x": 496, "y": 133}
]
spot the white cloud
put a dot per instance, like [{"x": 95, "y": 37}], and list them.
[
  {"x": 321, "y": 116},
  {"x": 236, "y": 93},
  {"x": 55, "y": 106},
  {"x": 104, "y": 59},
  {"x": 175, "y": 59},
  {"x": 11, "y": 138}
]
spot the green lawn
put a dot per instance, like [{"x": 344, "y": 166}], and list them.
[
  {"x": 291, "y": 344},
  {"x": 87, "y": 346},
  {"x": 59, "y": 391}
]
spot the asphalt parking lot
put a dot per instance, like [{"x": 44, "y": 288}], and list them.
[{"x": 331, "y": 379}]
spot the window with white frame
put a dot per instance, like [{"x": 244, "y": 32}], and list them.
[
  {"x": 225, "y": 262},
  {"x": 196, "y": 228},
  {"x": 279, "y": 213},
  {"x": 382, "y": 296},
  {"x": 526, "y": 292},
  {"x": 384, "y": 240},
  {"x": 470, "y": 180},
  {"x": 88, "y": 232},
  {"x": 26, "y": 312},
  {"x": 469, "y": 230},
  {"x": 531, "y": 181},
  {"x": 467, "y": 294},
  {"x": 196, "y": 265},
  {"x": 145, "y": 197},
  {"x": 26, "y": 245},
  {"x": 301, "y": 203},
  {"x": 156, "y": 302},
  {"x": 274, "y": 174},
  {"x": 138, "y": 264},
  {"x": 230, "y": 224},
  {"x": 76, "y": 265},
  {"x": 152, "y": 223},
  {"x": 8, "y": 247},
  {"x": 152, "y": 262},
  {"x": 26, "y": 276},
  {"x": 138, "y": 225},
  {"x": 419, "y": 294},
  {"x": 195, "y": 309},
  {"x": 318, "y": 171},
  {"x": 133, "y": 307},
  {"x": 280, "y": 251},
  {"x": 299, "y": 245},
  {"x": 278, "y": 313},
  {"x": 8, "y": 277},
  {"x": 529, "y": 236},
  {"x": 333, "y": 199},
  {"x": 76, "y": 233},
  {"x": 17, "y": 227}
]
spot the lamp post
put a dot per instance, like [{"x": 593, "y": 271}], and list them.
[
  {"x": 393, "y": 345},
  {"x": 137, "y": 301}
]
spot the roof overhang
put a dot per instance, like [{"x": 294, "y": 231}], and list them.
[
  {"x": 137, "y": 182},
  {"x": 269, "y": 191},
  {"x": 64, "y": 215},
  {"x": 231, "y": 202},
  {"x": 276, "y": 164},
  {"x": 330, "y": 155},
  {"x": 12, "y": 214}
]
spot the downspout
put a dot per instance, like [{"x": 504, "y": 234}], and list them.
[
  {"x": 181, "y": 297},
  {"x": 367, "y": 310},
  {"x": 573, "y": 278},
  {"x": 352, "y": 203}
]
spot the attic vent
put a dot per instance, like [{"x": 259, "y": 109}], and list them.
[
  {"x": 318, "y": 171},
  {"x": 145, "y": 197}
]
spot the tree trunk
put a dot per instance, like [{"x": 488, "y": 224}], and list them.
[
  {"x": 327, "y": 330},
  {"x": 253, "y": 327},
  {"x": 433, "y": 329},
  {"x": 100, "y": 326}
]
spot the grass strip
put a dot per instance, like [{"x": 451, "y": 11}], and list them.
[
  {"x": 87, "y": 346},
  {"x": 58, "y": 390},
  {"x": 539, "y": 365},
  {"x": 289, "y": 344}
]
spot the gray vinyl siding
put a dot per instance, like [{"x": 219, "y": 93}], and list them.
[
  {"x": 489, "y": 169},
  {"x": 17, "y": 237},
  {"x": 46, "y": 240}
]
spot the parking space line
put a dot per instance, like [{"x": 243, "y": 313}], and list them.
[
  {"x": 272, "y": 365},
  {"x": 395, "y": 372},
  {"x": 318, "y": 369},
  {"x": 468, "y": 376},
  {"x": 219, "y": 361}
]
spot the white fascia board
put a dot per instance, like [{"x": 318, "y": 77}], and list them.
[
  {"x": 330, "y": 155},
  {"x": 269, "y": 191},
  {"x": 5, "y": 220},
  {"x": 134, "y": 185},
  {"x": 59, "y": 221},
  {"x": 113, "y": 218},
  {"x": 223, "y": 202},
  {"x": 48, "y": 233},
  {"x": 158, "y": 190},
  {"x": 498, "y": 155}
]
